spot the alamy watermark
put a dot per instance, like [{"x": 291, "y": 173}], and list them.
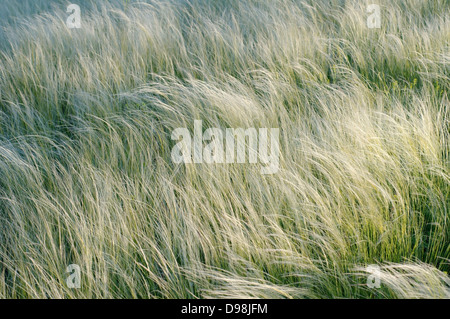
[
  {"x": 74, "y": 19},
  {"x": 74, "y": 279},
  {"x": 374, "y": 19},
  {"x": 373, "y": 280},
  {"x": 228, "y": 146}
]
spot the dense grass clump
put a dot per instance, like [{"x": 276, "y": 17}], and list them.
[{"x": 86, "y": 175}]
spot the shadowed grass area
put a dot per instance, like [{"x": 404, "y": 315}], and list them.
[{"x": 86, "y": 175}]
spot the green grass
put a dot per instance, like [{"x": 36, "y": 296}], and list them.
[{"x": 86, "y": 175}]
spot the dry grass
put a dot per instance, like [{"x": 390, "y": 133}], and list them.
[{"x": 86, "y": 175}]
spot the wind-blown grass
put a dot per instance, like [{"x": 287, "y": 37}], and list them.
[{"x": 86, "y": 175}]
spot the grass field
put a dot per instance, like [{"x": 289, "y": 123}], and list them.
[{"x": 86, "y": 175}]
